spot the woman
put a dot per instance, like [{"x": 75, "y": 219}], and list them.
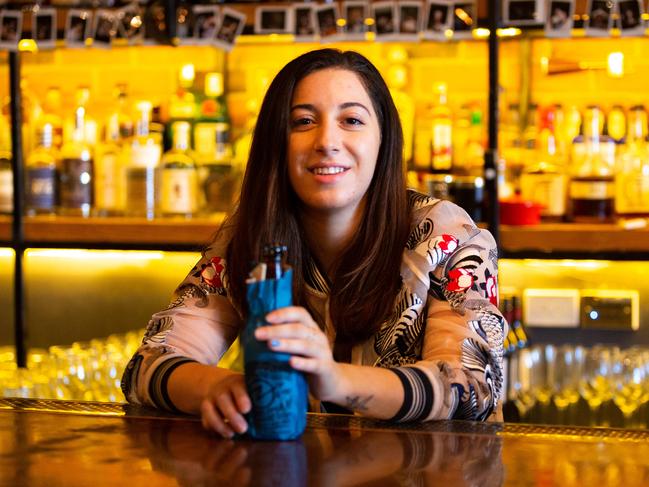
[{"x": 396, "y": 300}]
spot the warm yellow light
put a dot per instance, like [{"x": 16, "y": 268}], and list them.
[
  {"x": 592, "y": 265},
  {"x": 545, "y": 64},
  {"x": 616, "y": 64},
  {"x": 448, "y": 33},
  {"x": 480, "y": 33},
  {"x": 341, "y": 22},
  {"x": 187, "y": 74},
  {"x": 508, "y": 32},
  {"x": 95, "y": 255},
  {"x": 136, "y": 22},
  {"x": 27, "y": 45},
  {"x": 645, "y": 16},
  {"x": 6, "y": 253},
  {"x": 464, "y": 16},
  {"x": 369, "y": 21}
]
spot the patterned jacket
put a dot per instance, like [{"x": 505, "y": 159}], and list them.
[{"x": 444, "y": 339}]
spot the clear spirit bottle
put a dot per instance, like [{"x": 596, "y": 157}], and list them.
[
  {"x": 632, "y": 179},
  {"x": 179, "y": 177},
  {"x": 41, "y": 174}
]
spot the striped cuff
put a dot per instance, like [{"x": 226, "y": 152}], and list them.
[
  {"x": 158, "y": 383},
  {"x": 417, "y": 395}
]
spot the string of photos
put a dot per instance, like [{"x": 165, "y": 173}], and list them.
[{"x": 219, "y": 26}]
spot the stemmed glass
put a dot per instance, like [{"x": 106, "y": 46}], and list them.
[
  {"x": 630, "y": 375},
  {"x": 596, "y": 384},
  {"x": 566, "y": 374}
]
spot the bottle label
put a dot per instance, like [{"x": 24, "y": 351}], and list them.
[
  {"x": 442, "y": 143},
  {"x": 146, "y": 155},
  {"x": 179, "y": 191},
  {"x": 6, "y": 190},
  {"x": 549, "y": 190},
  {"x": 107, "y": 179},
  {"x": 591, "y": 190},
  {"x": 632, "y": 194},
  {"x": 41, "y": 188},
  {"x": 76, "y": 181}
]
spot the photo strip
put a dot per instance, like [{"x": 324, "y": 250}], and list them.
[
  {"x": 385, "y": 20},
  {"x": 303, "y": 22},
  {"x": 438, "y": 19},
  {"x": 355, "y": 13},
  {"x": 44, "y": 28},
  {"x": 559, "y": 21},
  {"x": 409, "y": 15},
  {"x": 232, "y": 23},
  {"x": 11, "y": 26},
  {"x": 600, "y": 18},
  {"x": 77, "y": 28},
  {"x": 206, "y": 24},
  {"x": 326, "y": 21},
  {"x": 273, "y": 20},
  {"x": 524, "y": 12},
  {"x": 630, "y": 19}
]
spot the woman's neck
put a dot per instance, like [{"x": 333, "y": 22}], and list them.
[{"x": 329, "y": 233}]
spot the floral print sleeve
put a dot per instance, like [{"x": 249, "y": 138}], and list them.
[
  {"x": 452, "y": 365},
  {"x": 199, "y": 325}
]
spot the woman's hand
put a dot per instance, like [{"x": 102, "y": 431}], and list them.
[
  {"x": 225, "y": 404},
  {"x": 293, "y": 331}
]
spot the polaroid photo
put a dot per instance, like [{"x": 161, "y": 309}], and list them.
[
  {"x": 464, "y": 19},
  {"x": 156, "y": 29},
  {"x": 438, "y": 19},
  {"x": 129, "y": 24},
  {"x": 44, "y": 28},
  {"x": 184, "y": 24},
  {"x": 326, "y": 21},
  {"x": 273, "y": 20},
  {"x": 11, "y": 26},
  {"x": 206, "y": 24},
  {"x": 104, "y": 28},
  {"x": 409, "y": 15},
  {"x": 385, "y": 20},
  {"x": 559, "y": 19},
  {"x": 600, "y": 18},
  {"x": 77, "y": 28},
  {"x": 524, "y": 12},
  {"x": 355, "y": 13},
  {"x": 630, "y": 19},
  {"x": 303, "y": 22},
  {"x": 232, "y": 23}
]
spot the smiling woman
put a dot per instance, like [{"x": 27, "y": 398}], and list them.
[{"x": 395, "y": 293}]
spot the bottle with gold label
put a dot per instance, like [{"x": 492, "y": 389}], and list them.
[
  {"x": 544, "y": 179},
  {"x": 212, "y": 127},
  {"x": 41, "y": 174},
  {"x": 632, "y": 179},
  {"x": 179, "y": 177},
  {"x": 592, "y": 185},
  {"x": 616, "y": 124},
  {"x": 441, "y": 132},
  {"x": 109, "y": 172}
]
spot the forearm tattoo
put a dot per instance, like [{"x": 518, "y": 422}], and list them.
[{"x": 358, "y": 403}]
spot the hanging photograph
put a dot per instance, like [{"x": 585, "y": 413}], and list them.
[
  {"x": 77, "y": 28},
  {"x": 409, "y": 16},
  {"x": 465, "y": 19},
  {"x": 600, "y": 18},
  {"x": 303, "y": 22},
  {"x": 44, "y": 28},
  {"x": 630, "y": 19},
  {"x": 273, "y": 20},
  {"x": 327, "y": 27},
  {"x": 11, "y": 23},
  {"x": 156, "y": 28},
  {"x": 232, "y": 24},
  {"x": 206, "y": 23},
  {"x": 355, "y": 13},
  {"x": 438, "y": 19},
  {"x": 129, "y": 24},
  {"x": 385, "y": 20},
  {"x": 524, "y": 12},
  {"x": 559, "y": 20},
  {"x": 104, "y": 28}
]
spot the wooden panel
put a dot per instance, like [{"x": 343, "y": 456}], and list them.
[{"x": 5, "y": 228}]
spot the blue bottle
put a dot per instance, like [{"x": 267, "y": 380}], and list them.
[{"x": 279, "y": 394}]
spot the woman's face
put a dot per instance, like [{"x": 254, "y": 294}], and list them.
[{"x": 334, "y": 141}]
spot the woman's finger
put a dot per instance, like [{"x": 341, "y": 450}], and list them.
[
  {"x": 226, "y": 404},
  {"x": 306, "y": 364},
  {"x": 291, "y": 313},
  {"x": 288, "y": 330},
  {"x": 307, "y": 348},
  {"x": 241, "y": 397},
  {"x": 213, "y": 421}
]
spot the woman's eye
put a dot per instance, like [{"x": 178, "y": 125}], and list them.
[
  {"x": 302, "y": 122},
  {"x": 353, "y": 121}
]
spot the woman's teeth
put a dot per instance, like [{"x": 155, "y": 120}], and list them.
[{"x": 328, "y": 170}]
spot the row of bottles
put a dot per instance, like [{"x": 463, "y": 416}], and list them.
[
  {"x": 581, "y": 166},
  {"x": 70, "y": 170}
]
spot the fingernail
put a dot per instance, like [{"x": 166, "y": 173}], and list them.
[
  {"x": 260, "y": 333},
  {"x": 274, "y": 343}
]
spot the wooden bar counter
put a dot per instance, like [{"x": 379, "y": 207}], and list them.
[{"x": 60, "y": 443}]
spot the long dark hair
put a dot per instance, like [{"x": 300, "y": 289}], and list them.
[{"x": 367, "y": 277}]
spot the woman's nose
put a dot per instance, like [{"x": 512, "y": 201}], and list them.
[{"x": 328, "y": 138}]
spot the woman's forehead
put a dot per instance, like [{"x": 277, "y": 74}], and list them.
[{"x": 330, "y": 84}]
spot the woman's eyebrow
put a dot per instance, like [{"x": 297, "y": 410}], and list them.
[
  {"x": 303, "y": 106},
  {"x": 342, "y": 106}
]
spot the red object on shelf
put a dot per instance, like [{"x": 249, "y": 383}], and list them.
[{"x": 517, "y": 211}]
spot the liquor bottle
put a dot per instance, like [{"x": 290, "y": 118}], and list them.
[
  {"x": 616, "y": 124},
  {"x": 142, "y": 158},
  {"x": 544, "y": 179},
  {"x": 179, "y": 178},
  {"x": 109, "y": 172},
  {"x": 475, "y": 144},
  {"x": 41, "y": 174},
  {"x": 632, "y": 179},
  {"x": 212, "y": 127},
  {"x": 6, "y": 171},
  {"x": 278, "y": 392},
  {"x": 397, "y": 81},
  {"x": 511, "y": 150},
  {"x": 77, "y": 166},
  {"x": 121, "y": 114},
  {"x": 461, "y": 135},
  {"x": 441, "y": 132},
  {"x": 182, "y": 105},
  {"x": 592, "y": 186},
  {"x": 52, "y": 110}
]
